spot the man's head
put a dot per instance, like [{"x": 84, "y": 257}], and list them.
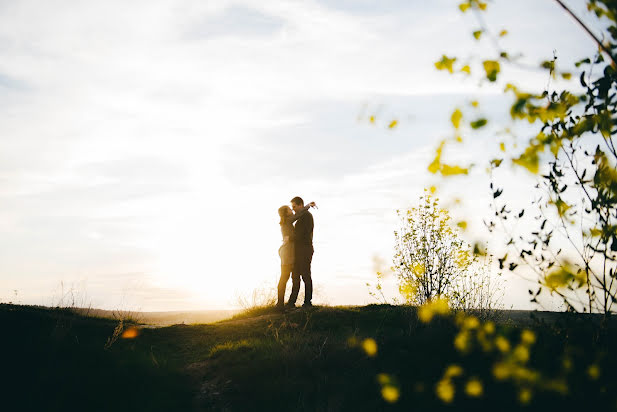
[{"x": 297, "y": 203}]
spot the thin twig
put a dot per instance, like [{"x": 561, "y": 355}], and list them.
[{"x": 602, "y": 46}]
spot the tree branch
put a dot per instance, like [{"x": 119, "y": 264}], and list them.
[{"x": 602, "y": 46}]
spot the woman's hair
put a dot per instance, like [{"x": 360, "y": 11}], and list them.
[{"x": 283, "y": 213}]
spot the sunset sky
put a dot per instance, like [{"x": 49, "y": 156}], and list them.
[{"x": 146, "y": 146}]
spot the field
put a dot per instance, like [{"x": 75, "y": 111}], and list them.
[{"x": 377, "y": 357}]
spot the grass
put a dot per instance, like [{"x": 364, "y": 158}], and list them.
[{"x": 302, "y": 360}]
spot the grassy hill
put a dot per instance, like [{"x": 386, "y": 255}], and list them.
[{"x": 327, "y": 358}]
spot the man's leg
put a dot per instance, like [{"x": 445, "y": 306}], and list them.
[
  {"x": 295, "y": 287},
  {"x": 308, "y": 281},
  {"x": 285, "y": 273},
  {"x": 308, "y": 288}
]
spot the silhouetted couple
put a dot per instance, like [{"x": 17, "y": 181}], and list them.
[{"x": 296, "y": 252}]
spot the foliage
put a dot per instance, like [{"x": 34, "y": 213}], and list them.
[
  {"x": 432, "y": 261},
  {"x": 567, "y": 236}
]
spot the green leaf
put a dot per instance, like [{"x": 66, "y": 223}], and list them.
[
  {"x": 492, "y": 68},
  {"x": 476, "y": 124},
  {"x": 548, "y": 65}
]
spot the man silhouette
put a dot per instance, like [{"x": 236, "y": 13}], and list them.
[{"x": 303, "y": 255}]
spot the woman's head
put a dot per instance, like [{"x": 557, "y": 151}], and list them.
[{"x": 284, "y": 212}]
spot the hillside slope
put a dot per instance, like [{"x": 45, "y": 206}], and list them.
[{"x": 328, "y": 358}]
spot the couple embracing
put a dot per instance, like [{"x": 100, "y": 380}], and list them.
[{"x": 296, "y": 252}]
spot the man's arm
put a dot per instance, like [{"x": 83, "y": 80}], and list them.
[{"x": 299, "y": 213}]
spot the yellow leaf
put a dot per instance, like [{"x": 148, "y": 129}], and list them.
[
  {"x": 370, "y": 347},
  {"x": 466, "y": 69},
  {"x": 566, "y": 75},
  {"x": 481, "y": 6},
  {"x": 528, "y": 337},
  {"x": 501, "y": 371},
  {"x": 445, "y": 390},
  {"x": 560, "y": 277},
  {"x": 462, "y": 224},
  {"x": 474, "y": 103},
  {"x": 453, "y": 371},
  {"x": 436, "y": 164},
  {"x": 530, "y": 159},
  {"x": 503, "y": 33},
  {"x": 477, "y": 34},
  {"x": 562, "y": 207},
  {"x": 461, "y": 342},
  {"x": 464, "y": 6},
  {"x": 447, "y": 170},
  {"x": 502, "y": 344},
  {"x": 372, "y": 119},
  {"x": 432, "y": 308},
  {"x": 521, "y": 353},
  {"x": 594, "y": 372},
  {"x": 502, "y": 147},
  {"x": 524, "y": 396},
  {"x": 456, "y": 117},
  {"x": 474, "y": 388},
  {"x": 446, "y": 63},
  {"x": 492, "y": 68},
  {"x": 392, "y": 124},
  {"x": 390, "y": 394}
]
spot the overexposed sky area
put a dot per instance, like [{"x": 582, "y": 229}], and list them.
[{"x": 146, "y": 146}]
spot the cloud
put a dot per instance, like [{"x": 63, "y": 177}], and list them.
[{"x": 236, "y": 20}]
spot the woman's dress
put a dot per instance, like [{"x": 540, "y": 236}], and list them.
[{"x": 286, "y": 251}]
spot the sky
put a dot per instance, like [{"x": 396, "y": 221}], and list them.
[{"x": 146, "y": 146}]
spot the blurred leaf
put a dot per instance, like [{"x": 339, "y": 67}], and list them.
[
  {"x": 584, "y": 61},
  {"x": 477, "y": 34},
  {"x": 476, "y": 124},
  {"x": 492, "y": 68},
  {"x": 456, "y": 117},
  {"x": 503, "y": 33},
  {"x": 392, "y": 124},
  {"x": 446, "y": 63},
  {"x": 530, "y": 159},
  {"x": 548, "y": 65},
  {"x": 448, "y": 170},
  {"x": 466, "y": 69}
]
